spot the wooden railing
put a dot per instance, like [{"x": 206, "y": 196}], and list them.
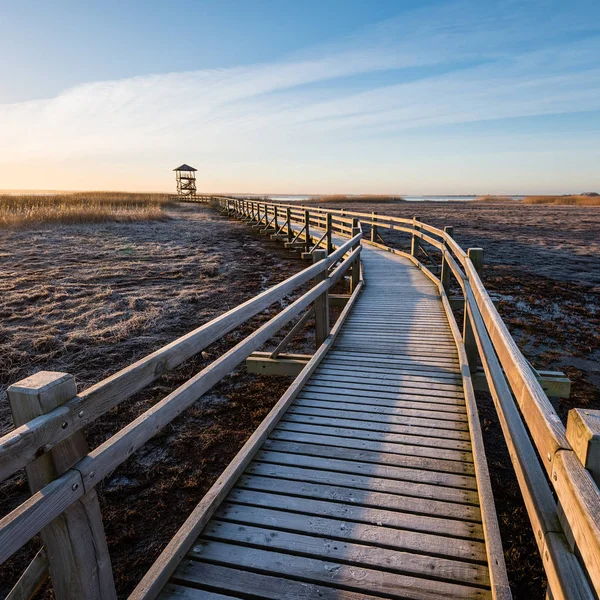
[
  {"x": 549, "y": 459},
  {"x": 50, "y": 415}
]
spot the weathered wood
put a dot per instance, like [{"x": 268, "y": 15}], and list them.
[
  {"x": 338, "y": 299},
  {"x": 29, "y": 518},
  {"x": 323, "y": 447},
  {"x": 307, "y": 241},
  {"x": 445, "y": 274},
  {"x": 284, "y": 365},
  {"x": 350, "y": 577},
  {"x": 321, "y": 306},
  {"x": 374, "y": 231},
  {"x": 336, "y": 524},
  {"x": 32, "y": 579},
  {"x": 329, "y": 231},
  {"x": 347, "y": 438},
  {"x": 77, "y": 552},
  {"x": 541, "y": 507},
  {"x": 257, "y": 585},
  {"x": 476, "y": 257},
  {"x": 554, "y": 383},
  {"x": 292, "y": 333},
  {"x": 355, "y": 273},
  {"x": 493, "y": 542},
  {"x": 583, "y": 433},
  {"x": 415, "y": 240},
  {"x": 360, "y": 554}
]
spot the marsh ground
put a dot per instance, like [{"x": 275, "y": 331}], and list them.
[{"x": 92, "y": 299}]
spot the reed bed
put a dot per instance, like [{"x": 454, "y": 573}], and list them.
[
  {"x": 566, "y": 200},
  {"x": 495, "y": 198},
  {"x": 367, "y": 198},
  {"x": 81, "y": 207}
]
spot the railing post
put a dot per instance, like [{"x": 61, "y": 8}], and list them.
[
  {"x": 583, "y": 433},
  {"x": 275, "y": 224},
  {"x": 445, "y": 275},
  {"x": 321, "y": 303},
  {"x": 328, "y": 227},
  {"x": 476, "y": 257},
  {"x": 288, "y": 223},
  {"x": 307, "y": 230},
  {"x": 77, "y": 553},
  {"x": 355, "y": 273},
  {"x": 374, "y": 228},
  {"x": 416, "y": 241}
]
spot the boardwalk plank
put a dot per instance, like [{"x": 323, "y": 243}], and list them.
[
  {"x": 417, "y": 445},
  {"x": 373, "y": 508},
  {"x": 446, "y": 438},
  {"x": 425, "y": 411},
  {"x": 316, "y": 546},
  {"x": 348, "y": 577},
  {"x": 369, "y": 456}
]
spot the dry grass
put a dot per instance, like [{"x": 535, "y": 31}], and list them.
[
  {"x": 380, "y": 199},
  {"x": 494, "y": 198},
  {"x": 567, "y": 200},
  {"x": 80, "y": 207}
]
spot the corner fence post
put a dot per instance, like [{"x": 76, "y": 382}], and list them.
[
  {"x": 355, "y": 274},
  {"x": 476, "y": 257},
  {"x": 374, "y": 228},
  {"x": 321, "y": 303},
  {"x": 307, "y": 230},
  {"x": 445, "y": 276},
  {"x": 328, "y": 226},
  {"x": 77, "y": 553},
  {"x": 416, "y": 241}
]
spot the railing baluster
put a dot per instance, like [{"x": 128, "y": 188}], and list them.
[
  {"x": 476, "y": 257},
  {"x": 416, "y": 240},
  {"x": 445, "y": 274},
  {"x": 321, "y": 303}
]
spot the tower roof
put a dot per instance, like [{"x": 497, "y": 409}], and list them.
[{"x": 185, "y": 167}]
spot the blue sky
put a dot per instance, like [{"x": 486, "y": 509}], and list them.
[{"x": 302, "y": 97}]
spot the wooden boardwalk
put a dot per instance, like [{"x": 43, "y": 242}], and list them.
[{"x": 366, "y": 488}]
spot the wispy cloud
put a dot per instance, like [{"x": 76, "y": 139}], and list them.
[{"x": 526, "y": 61}]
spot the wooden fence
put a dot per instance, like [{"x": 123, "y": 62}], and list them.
[{"x": 50, "y": 416}]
